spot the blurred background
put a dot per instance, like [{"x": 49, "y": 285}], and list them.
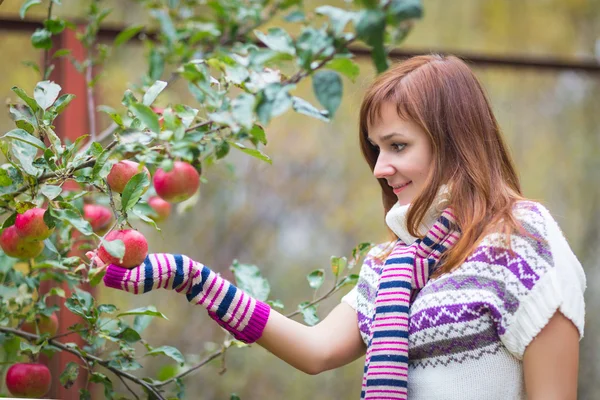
[{"x": 319, "y": 199}]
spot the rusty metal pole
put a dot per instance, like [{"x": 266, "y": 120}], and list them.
[{"x": 69, "y": 125}]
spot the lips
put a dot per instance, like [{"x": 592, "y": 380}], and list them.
[{"x": 398, "y": 188}]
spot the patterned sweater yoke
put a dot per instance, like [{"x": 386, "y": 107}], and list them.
[{"x": 468, "y": 329}]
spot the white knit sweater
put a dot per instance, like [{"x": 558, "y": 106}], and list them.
[{"x": 469, "y": 328}]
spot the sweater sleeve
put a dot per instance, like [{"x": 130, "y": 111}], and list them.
[{"x": 549, "y": 278}]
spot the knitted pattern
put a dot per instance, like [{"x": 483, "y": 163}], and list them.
[
  {"x": 407, "y": 268},
  {"x": 468, "y": 329},
  {"x": 240, "y": 314}
]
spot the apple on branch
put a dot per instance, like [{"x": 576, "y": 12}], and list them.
[
  {"x": 31, "y": 226},
  {"x": 161, "y": 208},
  {"x": 98, "y": 216},
  {"x": 136, "y": 248},
  {"x": 16, "y": 246},
  {"x": 44, "y": 324},
  {"x": 30, "y": 380},
  {"x": 178, "y": 184},
  {"x": 121, "y": 173}
]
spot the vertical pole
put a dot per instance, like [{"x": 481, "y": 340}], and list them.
[{"x": 71, "y": 124}]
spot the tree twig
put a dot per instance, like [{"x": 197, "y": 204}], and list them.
[
  {"x": 86, "y": 356},
  {"x": 192, "y": 369},
  {"x": 47, "y": 51},
  {"x": 45, "y": 177}
]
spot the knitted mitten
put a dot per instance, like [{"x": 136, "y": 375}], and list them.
[{"x": 240, "y": 314}]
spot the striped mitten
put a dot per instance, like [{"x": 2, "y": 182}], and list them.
[{"x": 240, "y": 314}]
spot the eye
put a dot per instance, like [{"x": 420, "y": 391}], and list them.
[{"x": 398, "y": 146}]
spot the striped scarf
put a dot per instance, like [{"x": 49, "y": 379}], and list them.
[{"x": 406, "y": 269}]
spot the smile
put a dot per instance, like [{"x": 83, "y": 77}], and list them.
[{"x": 399, "y": 188}]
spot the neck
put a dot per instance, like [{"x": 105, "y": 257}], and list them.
[{"x": 397, "y": 216}]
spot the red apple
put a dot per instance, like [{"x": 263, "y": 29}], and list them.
[
  {"x": 31, "y": 226},
  {"x": 178, "y": 184},
  {"x": 159, "y": 111},
  {"x": 18, "y": 247},
  {"x": 121, "y": 173},
  {"x": 160, "y": 207},
  {"x": 98, "y": 216},
  {"x": 136, "y": 248},
  {"x": 28, "y": 380},
  {"x": 44, "y": 324}
]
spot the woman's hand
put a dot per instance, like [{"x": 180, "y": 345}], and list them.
[{"x": 93, "y": 256}]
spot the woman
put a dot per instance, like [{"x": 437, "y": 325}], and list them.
[{"x": 450, "y": 308}]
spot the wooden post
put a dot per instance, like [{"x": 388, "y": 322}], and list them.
[{"x": 71, "y": 124}]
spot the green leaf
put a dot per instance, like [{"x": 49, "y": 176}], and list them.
[
  {"x": 125, "y": 35},
  {"x": 234, "y": 396},
  {"x": 371, "y": 29},
  {"x": 100, "y": 162},
  {"x": 309, "y": 313},
  {"x": 62, "y": 102},
  {"x": 55, "y": 26},
  {"x": 146, "y": 115},
  {"x": 344, "y": 66},
  {"x": 273, "y": 101},
  {"x": 157, "y": 64},
  {"x": 252, "y": 152},
  {"x": 127, "y": 334},
  {"x": 276, "y": 304},
  {"x": 328, "y": 88},
  {"x": 42, "y": 39},
  {"x": 168, "y": 351},
  {"x": 405, "y": 9},
  {"x": 339, "y": 18},
  {"x": 26, "y": 6},
  {"x": 26, "y": 137},
  {"x": 134, "y": 189},
  {"x": 141, "y": 322},
  {"x": 250, "y": 280},
  {"x": 69, "y": 375},
  {"x": 46, "y": 93},
  {"x": 295, "y": 16},
  {"x": 153, "y": 92},
  {"x": 28, "y": 100},
  {"x": 115, "y": 116},
  {"x": 349, "y": 280},
  {"x": 361, "y": 249},
  {"x": 316, "y": 278},
  {"x": 51, "y": 191},
  {"x": 115, "y": 248},
  {"x": 98, "y": 377},
  {"x": 24, "y": 115},
  {"x": 29, "y": 349},
  {"x": 149, "y": 310},
  {"x": 166, "y": 24},
  {"x": 258, "y": 133},
  {"x": 4, "y": 178},
  {"x": 84, "y": 394},
  {"x": 95, "y": 275},
  {"x": 277, "y": 39},
  {"x": 26, "y": 154},
  {"x": 338, "y": 264},
  {"x": 304, "y": 107},
  {"x": 242, "y": 108},
  {"x": 61, "y": 53},
  {"x": 73, "y": 218}
]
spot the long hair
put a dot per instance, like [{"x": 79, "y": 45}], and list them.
[{"x": 442, "y": 95}]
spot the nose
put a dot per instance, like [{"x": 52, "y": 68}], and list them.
[{"x": 383, "y": 168}]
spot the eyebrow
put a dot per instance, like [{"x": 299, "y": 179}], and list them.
[{"x": 387, "y": 137}]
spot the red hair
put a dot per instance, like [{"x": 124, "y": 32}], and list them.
[{"x": 442, "y": 95}]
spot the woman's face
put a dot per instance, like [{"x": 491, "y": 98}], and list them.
[{"x": 405, "y": 153}]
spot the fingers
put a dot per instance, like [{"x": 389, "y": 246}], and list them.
[{"x": 94, "y": 257}]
